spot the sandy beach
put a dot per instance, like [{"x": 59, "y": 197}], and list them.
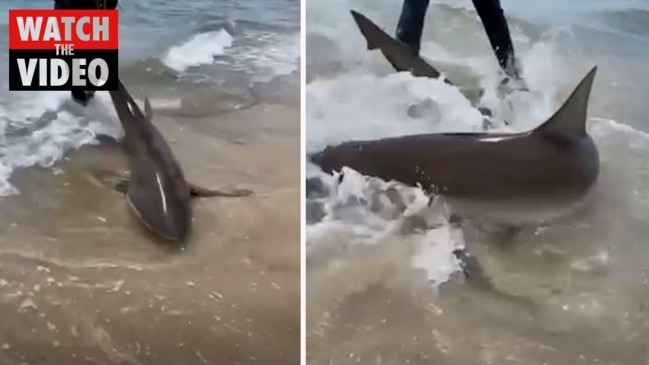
[{"x": 82, "y": 283}]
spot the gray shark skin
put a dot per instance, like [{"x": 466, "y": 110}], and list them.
[
  {"x": 507, "y": 178},
  {"x": 399, "y": 54},
  {"x": 403, "y": 58},
  {"x": 156, "y": 191}
]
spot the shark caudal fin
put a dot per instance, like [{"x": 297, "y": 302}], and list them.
[
  {"x": 570, "y": 119},
  {"x": 134, "y": 122},
  {"x": 120, "y": 100},
  {"x": 372, "y": 33},
  {"x": 132, "y": 105},
  {"x": 400, "y": 55}
]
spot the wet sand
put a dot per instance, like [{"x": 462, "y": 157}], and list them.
[{"x": 82, "y": 283}]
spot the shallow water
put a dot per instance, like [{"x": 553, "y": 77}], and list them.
[{"x": 574, "y": 291}]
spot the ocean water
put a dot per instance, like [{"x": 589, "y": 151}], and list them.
[
  {"x": 243, "y": 52},
  {"x": 588, "y": 272}
]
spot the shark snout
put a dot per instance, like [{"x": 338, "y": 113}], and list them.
[
  {"x": 324, "y": 160},
  {"x": 315, "y": 158}
]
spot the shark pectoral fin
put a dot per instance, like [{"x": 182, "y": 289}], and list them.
[
  {"x": 199, "y": 192},
  {"x": 110, "y": 179},
  {"x": 122, "y": 185}
]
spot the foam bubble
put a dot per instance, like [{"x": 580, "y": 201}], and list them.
[
  {"x": 362, "y": 106},
  {"x": 360, "y": 213},
  {"x": 39, "y": 128},
  {"x": 199, "y": 50},
  {"x": 269, "y": 54},
  {"x": 435, "y": 255}
]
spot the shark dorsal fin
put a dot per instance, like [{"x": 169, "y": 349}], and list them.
[
  {"x": 148, "y": 111},
  {"x": 570, "y": 119}
]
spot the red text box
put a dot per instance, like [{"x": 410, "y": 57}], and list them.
[{"x": 44, "y": 29}]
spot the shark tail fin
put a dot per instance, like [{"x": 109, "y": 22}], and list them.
[
  {"x": 120, "y": 100},
  {"x": 570, "y": 119},
  {"x": 368, "y": 28},
  {"x": 132, "y": 105}
]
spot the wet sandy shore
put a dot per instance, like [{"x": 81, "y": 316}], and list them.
[{"x": 82, "y": 283}]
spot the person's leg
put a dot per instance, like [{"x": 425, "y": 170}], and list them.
[
  {"x": 495, "y": 24},
  {"x": 411, "y": 23},
  {"x": 106, "y": 4},
  {"x": 80, "y": 96}
]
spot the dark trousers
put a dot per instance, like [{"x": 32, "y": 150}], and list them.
[
  {"x": 82, "y": 96},
  {"x": 83, "y": 4},
  {"x": 411, "y": 26}
]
